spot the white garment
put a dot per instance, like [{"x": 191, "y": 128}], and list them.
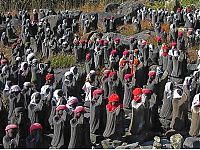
[
  {"x": 195, "y": 108},
  {"x": 87, "y": 89}
]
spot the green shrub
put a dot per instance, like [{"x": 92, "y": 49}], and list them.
[{"x": 63, "y": 61}]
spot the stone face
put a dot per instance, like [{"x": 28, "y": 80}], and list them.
[
  {"x": 176, "y": 141},
  {"x": 191, "y": 142},
  {"x": 132, "y": 146}
]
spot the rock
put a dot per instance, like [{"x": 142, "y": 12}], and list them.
[
  {"x": 123, "y": 38},
  {"x": 106, "y": 144},
  {"x": 191, "y": 143},
  {"x": 130, "y": 8},
  {"x": 176, "y": 141},
  {"x": 132, "y": 146},
  {"x": 146, "y": 147},
  {"x": 156, "y": 143},
  {"x": 116, "y": 143},
  {"x": 112, "y": 7}
]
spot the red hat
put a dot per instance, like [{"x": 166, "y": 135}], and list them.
[
  {"x": 128, "y": 76},
  {"x": 113, "y": 52},
  {"x": 49, "y": 77},
  {"x": 79, "y": 109},
  {"x": 178, "y": 9},
  {"x": 97, "y": 92},
  {"x": 117, "y": 40},
  {"x": 4, "y": 61},
  {"x": 106, "y": 72},
  {"x": 147, "y": 91},
  {"x": 152, "y": 73},
  {"x": 88, "y": 57},
  {"x": 11, "y": 126},
  {"x": 189, "y": 9},
  {"x": 105, "y": 42},
  {"x": 111, "y": 74},
  {"x": 113, "y": 98},
  {"x": 165, "y": 47},
  {"x": 137, "y": 91},
  {"x": 158, "y": 38},
  {"x": 180, "y": 34},
  {"x": 174, "y": 43},
  {"x": 35, "y": 126},
  {"x": 125, "y": 52},
  {"x": 101, "y": 41},
  {"x": 61, "y": 107}
]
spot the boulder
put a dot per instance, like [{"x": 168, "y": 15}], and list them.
[
  {"x": 118, "y": 18},
  {"x": 191, "y": 143},
  {"x": 157, "y": 142},
  {"x": 129, "y": 8},
  {"x": 176, "y": 141},
  {"x": 112, "y": 7}
]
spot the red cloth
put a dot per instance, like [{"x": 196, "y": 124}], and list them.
[
  {"x": 35, "y": 126},
  {"x": 128, "y": 76},
  {"x": 180, "y": 34},
  {"x": 136, "y": 62},
  {"x": 107, "y": 72},
  {"x": 178, "y": 9},
  {"x": 174, "y": 43},
  {"x": 152, "y": 73},
  {"x": 165, "y": 47},
  {"x": 165, "y": 54},
  {"x": 88, "y": 57},
  {"x": 113, "y": 52},
  {"x": 144, "y": 42},
  {"x": 137, "y": 98},
  {"x": 101, "y": 41},
  {"x": 81, "y": 41},
  {"x": 11, "y": 126},
  {"x": 49, "y": 76},
  {"x": 147, "y": 91},
  {"x": 137, "y": 91},
  {"x": 125, "y": 52},
  {"x": 112, "y": 108},
  {"x": 105, "y": 43},
  {"x": 61, "y": 107},
  {"x": 113, "y": 98},
  {"x": 97, "y": 92},
  {"x": 112, "y": 74}
]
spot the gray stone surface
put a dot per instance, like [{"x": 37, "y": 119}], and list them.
[{"x": 191, "y": 142}]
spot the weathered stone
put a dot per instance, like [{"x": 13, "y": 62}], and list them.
[
  {"x": 106, "y": 144},
  {"x": 156, "y": 143},
  {"x": 176, "y": 141},
  {"x": 191, "y": 142},
  {"x": 112, "y": 7},
  {"x": 132, "y": 146},
  {"x": 116, "y": 143}
]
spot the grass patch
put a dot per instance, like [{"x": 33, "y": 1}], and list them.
[
  {"x": 91, "y": 7},
  {"x": 63, "y": 61},
  {"x": 7, "y": 51},
  {"x": 146, "y": 25},
  {"x": 127, "y": 30},
  {"x": 192, "y": 53}
]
